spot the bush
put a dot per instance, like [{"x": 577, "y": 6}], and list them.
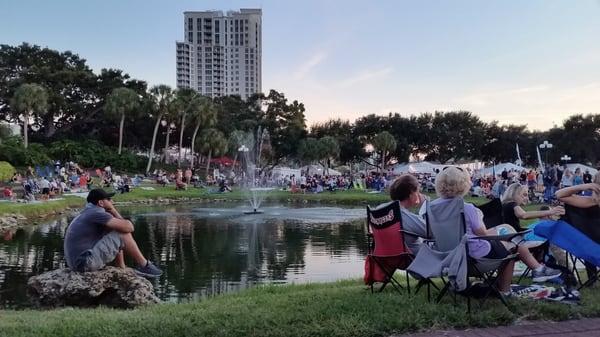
[
  {"x": 6, "y": 171},
  {"x": 91, "y": 153},
  {"x": 12, "y": 151}
]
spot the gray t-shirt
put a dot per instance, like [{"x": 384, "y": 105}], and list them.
[
  {"x": 413, "y": 223},
  {"x": 85, "y": 231}
]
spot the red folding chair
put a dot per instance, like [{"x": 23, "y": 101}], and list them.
[{"x": 387, "y": 248}]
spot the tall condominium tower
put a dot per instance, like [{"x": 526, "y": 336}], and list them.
[{"x": 222, "y": 53}]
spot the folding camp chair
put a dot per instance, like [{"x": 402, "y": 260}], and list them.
[
  {"x": 492, "y": 213},
  {"x": 447, "y": 225},
  {"x": 587, "y": 221},
  {"x": 492, "y": 217},
  {"x": 387, "y": 248}
]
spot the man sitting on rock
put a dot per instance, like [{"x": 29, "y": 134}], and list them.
[{"x": 100, "y": 235}]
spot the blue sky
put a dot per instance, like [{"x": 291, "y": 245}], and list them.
[{"x": 525, "y": 62}]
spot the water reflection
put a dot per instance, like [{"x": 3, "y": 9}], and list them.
[{"x": 204, "y": 254}]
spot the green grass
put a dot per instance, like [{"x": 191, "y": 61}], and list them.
[
  {"x": 344, "y": 197},
  {"x": 334, "y": 309},
  {"x": 31, "y": 210}
]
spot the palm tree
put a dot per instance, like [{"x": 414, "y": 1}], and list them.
[
  {"x": 384, "y": 142},
  {"x": 204, "y": 116},
  {"x": 212, "y": 142},
  {"x": 120, "y": 102},
  {"x": 161, "y": 96},
  {"x": 189, "y": 102},
  {"x": 29, "y": 98},
  {"x": 330, "y": 150}
]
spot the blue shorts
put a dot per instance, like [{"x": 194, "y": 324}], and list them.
[{"x": 103, "y": 252}]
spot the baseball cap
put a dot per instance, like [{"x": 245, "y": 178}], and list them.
[{"x": 98, "y": 194}]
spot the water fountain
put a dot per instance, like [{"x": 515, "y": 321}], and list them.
[{"x": 254, "y": 186}]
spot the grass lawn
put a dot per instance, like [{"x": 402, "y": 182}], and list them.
[
  {"x": 43, "y": 208},
  {"x": 343, "y": 308},
  {"x": 345, "y": 197}
]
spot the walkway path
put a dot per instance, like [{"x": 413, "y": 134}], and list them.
[{"x": 588, "y": 327}]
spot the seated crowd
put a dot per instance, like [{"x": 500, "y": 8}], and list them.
[{"x": 455, "y": 183}]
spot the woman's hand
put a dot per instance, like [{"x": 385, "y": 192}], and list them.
[{"x": 558, "y": 210}]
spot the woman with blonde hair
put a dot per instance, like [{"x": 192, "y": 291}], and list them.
[
  {"x": 452, "y": 183},
  {"x": 517, "y": 195}
]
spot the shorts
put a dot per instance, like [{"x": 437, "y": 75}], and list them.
[
  {"x": 45, "y": 190},
  {"x": 103, "y": 252},
  {"x": 497, "y": 251}
]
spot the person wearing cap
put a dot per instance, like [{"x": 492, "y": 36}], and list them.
[{"x": 99, "y": 235}]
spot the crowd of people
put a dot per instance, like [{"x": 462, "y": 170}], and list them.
[{"x": 455, "y": 183}]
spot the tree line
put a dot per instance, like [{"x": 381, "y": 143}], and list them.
[{"x": 56, "y": 97}]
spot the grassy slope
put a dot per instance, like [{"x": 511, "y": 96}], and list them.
[
  {"x": 338, "y": 309},
  {"x": 42, "y": 208}
]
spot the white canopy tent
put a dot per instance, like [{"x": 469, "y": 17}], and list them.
[
  {"x": 498, "y": 168},
  {"x": 319, "y": 170},
  {"x": 416, "y": 167},
  {"x": 281, "y": 172},
  {"x": 582, "y": 167}
]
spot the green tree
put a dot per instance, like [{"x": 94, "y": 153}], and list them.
[
  {"x": 310, "y": 150},
  {"x": 5, "y": 132},
  {"x": 29, "y": 99},
  {"x": 120, "y": 102},
  {"x": 384, "y": 143},
  {"x": 330, "y": 151},
  {"x": 213, "y": 142},
  {"x": 161, "y": 97},
  {"x": 189, "y": 102},
  {"x": 285, "y": 123},
  {"x": 204, "y": 115},
  {"x": 344, "y": 133}
]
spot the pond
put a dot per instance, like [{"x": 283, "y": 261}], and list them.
[{"x": 207, "y": 250}]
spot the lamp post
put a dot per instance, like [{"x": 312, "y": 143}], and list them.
[
  {"x": 546, "y": 146},
  {"x": 566, "y": 159},
  {"x": 170, "y": 129}
]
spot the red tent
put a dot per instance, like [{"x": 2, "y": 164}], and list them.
[{"x": 226, "y": 161}]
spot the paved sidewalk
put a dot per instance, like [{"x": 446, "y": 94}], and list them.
[{"x": 588, "y": 327}]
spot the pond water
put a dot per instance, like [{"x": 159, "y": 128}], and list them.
[{"x": 206, "y": 250}]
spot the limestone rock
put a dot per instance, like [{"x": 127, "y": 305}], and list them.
[{"x": 111, "y": 286}]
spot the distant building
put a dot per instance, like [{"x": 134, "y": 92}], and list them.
[{"x": 222, "y": 54}]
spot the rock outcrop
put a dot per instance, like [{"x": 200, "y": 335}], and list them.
[{"x": 111, "y": 286}]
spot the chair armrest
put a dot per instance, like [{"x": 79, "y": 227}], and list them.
[
  {"x": 411, "y": 233},
  {"x": 504, "y": 237}
]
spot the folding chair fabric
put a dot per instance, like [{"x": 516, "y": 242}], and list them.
[
  {"x": 586, "y": 220},
  {"x": 492, "y": 213},
  {"x": 570, "y": 239},
  {"x": 389, "y": 251},
  {"x": 446, "y": 223}
]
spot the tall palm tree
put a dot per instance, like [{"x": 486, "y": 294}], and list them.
[
  {"x": 189, "y": 102},
  {"x": 161, "y": 96},
  {"x": 385, "y": 143},
  {"x": 213, "y": 142},
  {"x": 29, "y": 98},
  {"x": 330, "y": 150},
  {"x": 119, "y": 103},
  {"x": 205, "y": 116}
]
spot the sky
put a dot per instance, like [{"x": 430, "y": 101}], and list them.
[{"x": 532, "y": 62}]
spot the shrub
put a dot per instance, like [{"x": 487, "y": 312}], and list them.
[
  {"x": 6, "y": 171},
  {"x": 12, "y": 151}
]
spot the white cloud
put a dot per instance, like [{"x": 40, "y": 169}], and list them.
[
  {"x": 365, "y": 75},
  {"x": 305, "y": 68}
]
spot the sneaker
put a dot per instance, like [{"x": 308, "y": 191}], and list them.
[
  {"x": 149, "y": 270},
  {"x": 545, "y": 274}
]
